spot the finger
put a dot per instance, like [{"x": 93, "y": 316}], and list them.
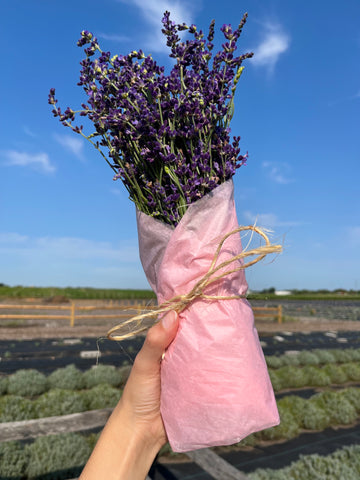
[{"x": 157, "y": 340}]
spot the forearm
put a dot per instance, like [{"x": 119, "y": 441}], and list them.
[{"x": 124, "y": 451}]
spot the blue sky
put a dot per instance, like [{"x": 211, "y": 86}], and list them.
[{"x": 64, "y": 222}]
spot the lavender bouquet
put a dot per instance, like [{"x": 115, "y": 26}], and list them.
[{"x": 167, "y": 138}]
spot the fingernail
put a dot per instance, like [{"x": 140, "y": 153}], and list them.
[{"x": 168, "y": 320}]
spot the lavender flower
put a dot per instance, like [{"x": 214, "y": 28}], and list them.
[{"x": 167, "y": 137}]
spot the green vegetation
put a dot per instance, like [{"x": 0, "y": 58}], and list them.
[
  {"x": 74, "y": 293},
  {"x": 56, "y": 453},
  {"x": 69, "y": 378},
  {"x": 59, "y": 454},
  {"x": 120, "y": 294},
  {"x": 314, "y": 357},
  {"x": 68, "y": 451},
  {"x": 59, "y": 402},
  {"x": 13, "y": 460},
  {"x": 320, "y": 411},
  {"x": 103, "y": 374},
  {"x": 27, "y": 383},
  {"x": 342, "y": 464},
  {"x": 289, "y": 377},
  {"x": 101, "y": 396},
  {"x": 15, "y": 408},
  {"x": 338, "y": 294}
]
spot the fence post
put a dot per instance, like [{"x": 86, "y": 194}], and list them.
[
  {"x": 72, "y": 314},
  {"x": 279, "y": 313}
]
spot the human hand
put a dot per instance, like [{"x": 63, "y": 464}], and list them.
[
  {"x": 135, "y": 431},
  {"x": 141, "y": 396}
]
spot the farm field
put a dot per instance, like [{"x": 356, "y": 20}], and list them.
[{"x": 310, "y": 359}]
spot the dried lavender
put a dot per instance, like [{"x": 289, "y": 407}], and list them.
[{"x": 167, "y": 137}]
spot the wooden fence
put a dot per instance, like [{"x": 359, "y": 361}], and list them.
[
  {"x": 269, "y": 312},
  {"x": 122, "y": 311}
]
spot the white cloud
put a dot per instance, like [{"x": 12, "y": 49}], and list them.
[
  {"x": 67, "y": 248},
  {"x": 268, "y": 220},
  {"x": 274, "y": 43},
  {"x": 12, "y": 238},
  {"x": 63, "y": 261},
  {"x": 72, "y": 144},
  {"x": 29, "y": 132},
  {"x": 153, "y": 11},
  {"x": 37, "y": 161},
  {"x": 113, "y": 37},
  {"x": 278, "y": 172},
  {"x": 354, "y": 235}
]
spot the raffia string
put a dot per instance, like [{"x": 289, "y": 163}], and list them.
[{"x": 180, "y": 302}]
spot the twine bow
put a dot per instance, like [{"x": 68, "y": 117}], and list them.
[{"x": 180, "y": 302}]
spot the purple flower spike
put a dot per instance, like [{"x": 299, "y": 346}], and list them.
[{"x": 167, "y": 137}]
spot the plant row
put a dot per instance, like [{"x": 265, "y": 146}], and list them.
[
  {"x": 342, "y": 464},
  {"x": 58, "y": 402},
  {"x": 322, "y": 410},
  {"x": 310, "y": 376},
  {"x": 74, "y": 293},
  {"x": 64, "y": 455},
  {"x": 314, "y": 357},
  {"x": 61, "y": 456},
  {"x": 31, "y": 383}
]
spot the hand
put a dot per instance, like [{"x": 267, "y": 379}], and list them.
[
  {"x": 141, "y": 396},
  {"x": 135, "y": 431}
]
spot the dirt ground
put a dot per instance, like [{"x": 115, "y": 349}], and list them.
[
  {"x": 57, "y": 329},
  {"x": 31, "y": 328}
]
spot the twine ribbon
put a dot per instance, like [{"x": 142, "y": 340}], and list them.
[{"x": 180, "y": 302}]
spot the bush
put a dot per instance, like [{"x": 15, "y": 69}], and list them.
[
  {"x": 342, "y": 464},
  {"x": 335, "y": 372},
  {"x": 102, "y": 374},
  {"x": 125, "y": 371},
  {"x": 14, "y": 408},
  {"x": 352, "y": 395},
  {"x": 292, "y": 377},
  {"x": 27, "y": 383},
  {"x": 69, "y": 378},
  {"x": 275, "y": 380},
  {"x": 355, "y": 354},
  {"x": 352, "y": 371},
  {"x": 13, "y": 460},
  {"x": 314, "y": 417},
  {"x": 288, "y": 428},
  {"x": 316, "y": 377},
  {"x": 291, "y": 360},
  {"x": 274, "y": 361},
  {"x": 308, "y": 358},
  {"x": 293, "y": 404},
  {"x": 249, "y": 441},
  {"x": 339, "y": 409},
  {"x": 343, "y": 356},
  {"x": 3, "y": 385},
  {"x": 55, "y": 453},
  {"x": 324, "y": 356},
  {"x": 59, "y": 402},
  {"x": 101, "y": 396}
]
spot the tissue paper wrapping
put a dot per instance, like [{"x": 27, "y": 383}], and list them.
[{"x": 215, "y": 387}]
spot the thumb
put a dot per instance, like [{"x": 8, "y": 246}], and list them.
[{"x": 157, "y": 340}]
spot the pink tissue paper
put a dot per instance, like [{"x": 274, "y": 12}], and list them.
[{"x": 215, "y": 387}]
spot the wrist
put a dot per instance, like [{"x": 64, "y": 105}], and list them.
[{"x": 125, "y": 450}]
